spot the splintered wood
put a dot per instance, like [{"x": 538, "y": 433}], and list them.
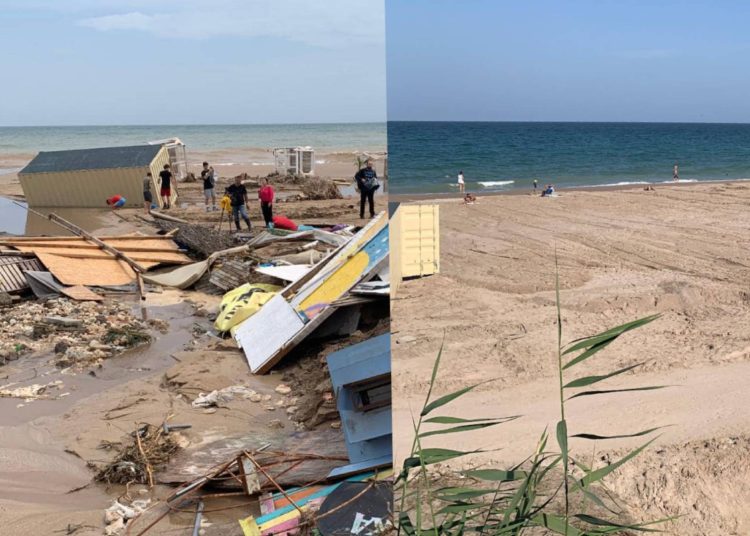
[{"x": 76, "y": 261}]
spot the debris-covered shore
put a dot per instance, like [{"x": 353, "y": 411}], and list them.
[{"x": 164, "y": 400}]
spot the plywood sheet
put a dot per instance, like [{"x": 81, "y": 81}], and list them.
[
  {"x": 94, "y": 272},
  {"x": 81, "y": 293},
  {"x": 265, "y": 333}
]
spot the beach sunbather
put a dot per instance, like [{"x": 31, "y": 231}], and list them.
[
  {"x": 470, "y": 199},
  {"x": 548, "y": 190}
]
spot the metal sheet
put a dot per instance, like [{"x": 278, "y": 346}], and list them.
[{"x": 289, "y": 273}]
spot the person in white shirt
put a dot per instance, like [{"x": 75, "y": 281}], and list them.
[
  {"x": 676, "y": 172},
  {"x": 461, "y": 184}
]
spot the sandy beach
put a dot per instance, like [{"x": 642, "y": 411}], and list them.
[{"x": 681, "y": 251}]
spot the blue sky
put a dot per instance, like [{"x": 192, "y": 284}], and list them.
[
  {"x": 582, "y": 60},
  {"x": 82, "y": 62}
]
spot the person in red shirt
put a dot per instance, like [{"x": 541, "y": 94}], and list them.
[
  {"x": 265, "y": 194},
  {"x": 116, "y": 201}
]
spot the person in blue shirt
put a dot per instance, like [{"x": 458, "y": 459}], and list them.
[{"x": 367, "y": 184}]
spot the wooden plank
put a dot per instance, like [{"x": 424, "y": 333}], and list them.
[
  {"x": 155, "y": 258},
  {"x": 81, "y": 293},
  {"x": 102, "y": 272}
]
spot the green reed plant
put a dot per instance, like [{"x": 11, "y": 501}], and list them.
[{"x": 539, "y": 493}]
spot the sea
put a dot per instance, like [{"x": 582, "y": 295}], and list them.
[
  {"x": 426, "y": 157},
  {"x": 21, "y": 143}
]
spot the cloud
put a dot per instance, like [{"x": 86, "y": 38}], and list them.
[{"x": 329, "y": 23}]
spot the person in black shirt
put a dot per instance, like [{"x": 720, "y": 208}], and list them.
[
  {"x": 367, "y": 183},
  {"x": 209, "y": 181},
  {"x": 165, "y": 178},
  {"x": 238, "y": 194}
]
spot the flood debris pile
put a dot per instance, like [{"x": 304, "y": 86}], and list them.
[
  {"x": 82, "y": 333},
  {"x": 147, "y": 448}
]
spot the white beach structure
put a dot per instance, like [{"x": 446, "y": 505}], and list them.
[
  {"x": 177, "y": 155},
  {"x": 294, "y": 160}
]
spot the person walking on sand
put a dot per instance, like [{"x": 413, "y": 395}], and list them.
[
  {"x": 116, "y": 201},
  {"x": 676, "y": 172},
  {"x": 461, "y": 183},
  {"x": 265, "y": 195},
  {"x": 165, "y": 186},
  {"x": 209, "y": 181},
  {"x": 536, "y": 183},
  {"x": 148, "y": 197},
  {"x": 367, "y": 183},
  {"x": 238, "y": 194}
]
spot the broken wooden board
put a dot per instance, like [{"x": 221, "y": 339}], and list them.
[
  {"x": 12, "y": 270},
  {"x": 81, "y": 293},
  {"x": 92, "y": 272},
  {"x": 192, "y": 463}
]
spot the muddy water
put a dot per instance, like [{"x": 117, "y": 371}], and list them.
[
  {"x": 16, "y": 220},
  {"x": 34, "y": 468}
]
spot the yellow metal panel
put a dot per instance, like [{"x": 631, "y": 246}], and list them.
[{"x": 420, "y": 240}]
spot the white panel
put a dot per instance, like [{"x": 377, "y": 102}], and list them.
[{"x": 266, "y": 332}]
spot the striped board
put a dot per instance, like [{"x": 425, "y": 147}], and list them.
[
  {"x": 286, "y": 517},
  {"x": 12, "y": 268}
]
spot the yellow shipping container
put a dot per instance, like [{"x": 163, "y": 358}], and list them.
[{"x": 414, "y": 242}]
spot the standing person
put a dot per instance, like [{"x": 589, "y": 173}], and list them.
[
  {"x": 238, "y": 194},
  {"x": 461, "y": 184},
  {"x": 165, "y": 181},
  {"x": 209, "y": 181},
  {"x": 367, "y": 183},
  {"x": 676, "y": 172},
  {"x": 265, "y": 194},
  {"x": 536, "y": 183},
  {"x": 148, "y": 198}
]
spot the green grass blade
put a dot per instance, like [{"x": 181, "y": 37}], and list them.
[
  {"x": 443, "y": 400},
  {"x": 598, "y": 474},
  {"x": 562, "y": 441},
  {"x": 611, "y": 525},
  {"x": 496, "y": 475},
  {"x": 463, "y": 428},
  {"x": 637, "y": 434},
  {"x": 459, "y": 420},
  {"x": 588, "y": 380},
  {"x": 599, "y": 342},
  {"x": 587, "y": 342},
  {"x": 611, "y": 391},
  {"x": 556, "y": 524}
]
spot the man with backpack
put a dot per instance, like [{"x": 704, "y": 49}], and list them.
[
  {"x": 209, "y": 181},
  {"x": 367, "y": 183}
]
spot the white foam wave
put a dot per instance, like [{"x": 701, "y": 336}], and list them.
[{"x": 490, "y": 184}]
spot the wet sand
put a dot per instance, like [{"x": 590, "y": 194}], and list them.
[{"x": 682, "y": 251}]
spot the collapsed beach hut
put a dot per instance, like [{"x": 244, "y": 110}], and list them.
[
  {"x": 361, "y": 378},
  {"x": 85, "y": 178},
  {"x": 304, "y": 305}
]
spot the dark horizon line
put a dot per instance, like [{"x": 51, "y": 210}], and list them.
[{"x": 569, "y": 122}]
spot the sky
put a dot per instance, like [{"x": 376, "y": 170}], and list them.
[
  {"x": 582, "y": 60},
  {"x": 115, "y": 62}
]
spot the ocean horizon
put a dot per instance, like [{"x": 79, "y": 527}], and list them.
[
  {"x": 236, "y": 141},
  {"x": 426, "y": 156}
]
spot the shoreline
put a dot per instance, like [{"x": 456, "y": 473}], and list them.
[{"x": 456, "y": 196}]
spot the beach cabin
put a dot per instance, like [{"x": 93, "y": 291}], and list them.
[
  {"x": 294, "y": 160},
  {"x": 361, "y": 377},
  {"x": 177, "y": 155},
  {"x": 414, "y": 241},
  {"x": 85, "y": 178}
]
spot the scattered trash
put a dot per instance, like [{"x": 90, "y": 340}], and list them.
[
  {"x": 117, "y": 516},
  {"x": 214, "y": 398}
]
